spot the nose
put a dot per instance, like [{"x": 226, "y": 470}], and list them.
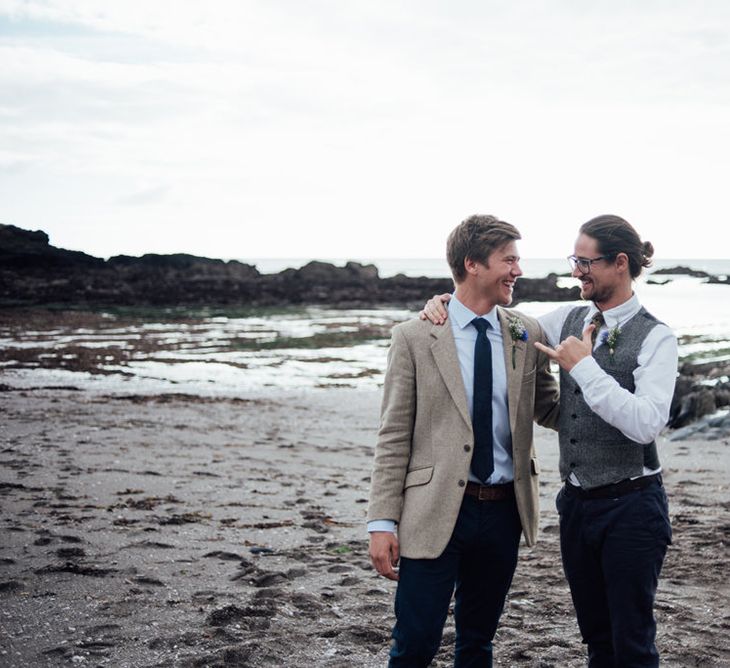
[
  {"x": 516, "y": 269},
  {"x": 576, "y": 273}
]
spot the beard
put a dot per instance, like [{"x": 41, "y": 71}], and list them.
[{"x": 597, "y": 294}]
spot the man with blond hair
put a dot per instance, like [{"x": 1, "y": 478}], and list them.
[{"x": 454, "y": 482}]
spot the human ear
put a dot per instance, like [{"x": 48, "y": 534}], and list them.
[
  {"x": 470, "y": 265},
  {"x": 622, "y": 261}
]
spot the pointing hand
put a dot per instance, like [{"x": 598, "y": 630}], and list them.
[{"x": 570, "y": 351}]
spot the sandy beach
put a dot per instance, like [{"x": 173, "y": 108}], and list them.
[{"x": 176, "y": 530}]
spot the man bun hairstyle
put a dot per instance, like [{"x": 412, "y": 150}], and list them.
[
  {"x": 477, "y": 238},
  {"x": 615, "y": 235}
]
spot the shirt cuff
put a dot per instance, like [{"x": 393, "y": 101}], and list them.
[
  {"x": 585, "y": 371},
  {"x": 381, "y": 525}
]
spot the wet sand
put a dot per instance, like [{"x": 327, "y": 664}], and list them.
[{"x": 174, "y": 530}]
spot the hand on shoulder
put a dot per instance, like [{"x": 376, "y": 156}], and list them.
[{"x": 435, "y": 309}]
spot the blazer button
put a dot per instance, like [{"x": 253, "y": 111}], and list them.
[
  {"x": 467, "y": 448},
  {"x": 572, "y": 465},
  {"x": 462, "y": 483},
  {"x": 577, "y": 390},
  {"x": 572, "y": 440},
  {"x": 574, "y": 416}
]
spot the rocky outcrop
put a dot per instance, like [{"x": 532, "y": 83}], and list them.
[
  {"x": 24, "y": 251},
  {"x": 687, "y": 271},
  {"x": 32, "y": 272},
  {"x": 681, "y": 271}
]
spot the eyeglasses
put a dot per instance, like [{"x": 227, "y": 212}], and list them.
[{"x": 584, "y": 264}]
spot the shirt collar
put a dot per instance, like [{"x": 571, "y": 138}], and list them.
[
  {"x": 463, "y": 316},
  {"x": 617, "y": 315}
]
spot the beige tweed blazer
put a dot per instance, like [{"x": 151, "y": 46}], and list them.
[{"x": 425, "y": 441}]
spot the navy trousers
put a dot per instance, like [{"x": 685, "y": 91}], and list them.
[
  {"x": 612, "y": 551},
  {"x": 477, "y": 564}
]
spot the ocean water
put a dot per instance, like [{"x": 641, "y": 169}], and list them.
[
  {"x": 303, "y": 349},
  {"x": 438, "y": 267}
]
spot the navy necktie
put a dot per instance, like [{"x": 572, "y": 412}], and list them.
[{"x": 482, "y": 462}]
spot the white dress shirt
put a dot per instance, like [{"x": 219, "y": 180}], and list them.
[
  {"x": 640, "y": 415},
  {"x": 465, "y": 337}
]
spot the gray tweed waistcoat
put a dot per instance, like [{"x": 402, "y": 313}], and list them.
[{"x": 597, "y": 453}]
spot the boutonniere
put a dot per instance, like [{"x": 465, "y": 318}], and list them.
[
  {"x": 518, "y": 332},
  {"x": 610, "y": 338}
]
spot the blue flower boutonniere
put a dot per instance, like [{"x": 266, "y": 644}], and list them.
[
  {"x": 610, "y": 338},
  {"x": 518, "y": 332}
]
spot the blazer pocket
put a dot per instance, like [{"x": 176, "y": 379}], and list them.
[
  {"x": 418, "y": 477},
  {"x": 535, "y": 466}
]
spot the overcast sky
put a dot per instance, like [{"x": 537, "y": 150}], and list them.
[{"x": 362, "y": 129}]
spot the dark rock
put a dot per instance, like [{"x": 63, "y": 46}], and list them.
[
  {"x": 230, "y": 657},
  {"x": 32, "y": 273},
  {"x": 155, "y": 261},
  {"x": 76, "y": 569},
  {"x": 363, "y": 271},
  {"x": 258, "y": 549},
  {"x": 70, "y": 553},
  {"x": 10, "y": 586},
  {"x": 145, "y": 580},
  {"x": 692, "y": 406},
  {"x": 701, "y": 389},
  {"x": 30, "y": 253},
  {"x": 226, "y": 556},
  {"x": 700, "y": 369},
  {"x": 226, "y": 615},
  {"x": 269, "y": 579}
]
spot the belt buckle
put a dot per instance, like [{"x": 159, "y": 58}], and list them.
[{"x": 486, "y": 490}]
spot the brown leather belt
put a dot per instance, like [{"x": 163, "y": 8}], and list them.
[
  {"x": 614, "y": 490},
  {"x": 490, "y": 492}
]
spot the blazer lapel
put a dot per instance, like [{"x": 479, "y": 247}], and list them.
[
  {"x": 447, "y": 361},
  {"x": 514, "y": 375}
]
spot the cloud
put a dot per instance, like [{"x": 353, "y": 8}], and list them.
[{"x": 278, "y": 123}]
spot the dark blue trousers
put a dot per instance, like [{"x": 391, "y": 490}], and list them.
[
  {"x": 612, "y": 551},
  {"x": 477, "y": 564}
]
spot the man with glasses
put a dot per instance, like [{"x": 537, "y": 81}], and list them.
[{"x": 618, "y": 367}]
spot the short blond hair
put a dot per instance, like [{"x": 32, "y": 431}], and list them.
[{"x": 477, "y": 238}]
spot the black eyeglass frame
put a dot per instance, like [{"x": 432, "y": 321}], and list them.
[{"x": 583, "y": 264}]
